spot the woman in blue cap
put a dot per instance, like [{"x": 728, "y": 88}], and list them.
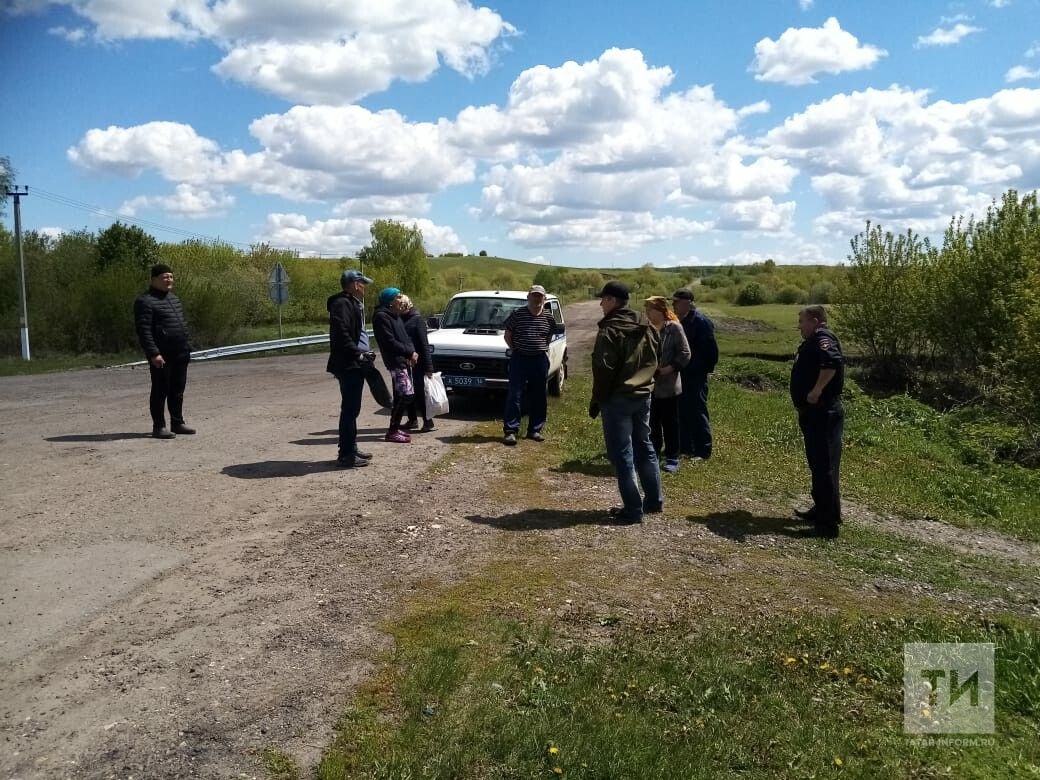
[{"x": 398, "y": 356}]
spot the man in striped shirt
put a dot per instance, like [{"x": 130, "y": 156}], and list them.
[{"x": 529, "y": 330}]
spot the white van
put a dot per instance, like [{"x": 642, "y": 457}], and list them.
[{"x": 468, "y": 342}]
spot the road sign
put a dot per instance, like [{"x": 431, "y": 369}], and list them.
[{"x": 278, "y": 284}]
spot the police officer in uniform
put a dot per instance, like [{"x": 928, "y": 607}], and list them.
[{"x": 817, "y": 379}]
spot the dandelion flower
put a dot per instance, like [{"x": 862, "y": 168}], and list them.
[
  {"x": 838, "y": 761},
  {"x": 554, "y": 750},
  {"x": 557, "y": 770}
]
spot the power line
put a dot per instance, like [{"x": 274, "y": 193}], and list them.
[{"x": 141, "y": 222}]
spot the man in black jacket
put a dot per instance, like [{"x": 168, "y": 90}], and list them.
[
  {"x": 163, "y": 334},
  {"x": 694, "y": 423},
  {"x": 346, "y": 358},
  {"x": 817, "y": 381}
]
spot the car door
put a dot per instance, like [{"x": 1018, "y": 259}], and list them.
[{"x": 558, "y": 345}]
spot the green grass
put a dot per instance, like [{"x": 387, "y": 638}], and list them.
[
  {"x": 473, "y": 692},
  {"x": 45, "y": 363},
  {"x": 279, "y": 765}
]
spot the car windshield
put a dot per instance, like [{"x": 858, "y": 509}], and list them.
[{"x": 479, "y": 312}]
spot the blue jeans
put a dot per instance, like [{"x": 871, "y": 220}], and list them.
[
  {"x": 694, "y": 425},
  {"x": 626, "y": 432},
  {"x": 527, "y": 377},
  {"x": 351, "y": 383}
]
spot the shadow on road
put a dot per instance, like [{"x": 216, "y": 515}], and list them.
[
  {"x": 74, "y": 437},
  {"x": 584, "y": 467},
  {"x": 268, "y": 469},
  {"x": 739, "y": 524},
  {"x": 544, "y": 519},
  {"x": 473, "y": 438}
]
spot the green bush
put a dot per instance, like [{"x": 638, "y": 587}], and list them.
[
  {"x": 790, "y": 294},
  {"x": 752, "y": 294}
]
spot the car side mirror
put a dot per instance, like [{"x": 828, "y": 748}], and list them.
[
  {"x": 559, "y": 329},
  {"x": 434, "y": 322}
]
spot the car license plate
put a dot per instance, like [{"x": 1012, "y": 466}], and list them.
[{"x": 464, "y": 381}]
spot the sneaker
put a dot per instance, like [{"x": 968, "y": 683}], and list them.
[
  {"x": 653, "y": 510},
  {"x": 509, "y": 439},
  {"x": 351, "y": 463},
  {"x": 182, "y": 428},
  {"x": 427, "y": 427},
  {"x": 412, "y": 425},
  {"x": 398, "y": 437},
  {"x": 365, "y": 455},
  {"x": 806, "y": 514},
  {"x": 535, "y": 436},
  {"x": 163, "y": 433},
  {"x": 671, "y": 465}
]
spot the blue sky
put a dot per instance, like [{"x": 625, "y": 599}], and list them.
[{"x": 576, "y": 133}]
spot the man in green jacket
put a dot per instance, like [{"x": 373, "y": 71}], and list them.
[{"x": 624, "y": 360}]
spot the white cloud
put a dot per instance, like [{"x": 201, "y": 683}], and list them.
[
  {"x": 72, "y": 35},
  {"x": 309, "y": 153},
  {"x": 947, "y": 36},
  {"x": 186, "y": 201},
  {"x": 53, "y": 233},
  {"x": 347, "y": 235},
  {"x": 759, "y": 215},
  {"x": 802, "y": 53},
  {"x": 308, "y": 51},
  {"x": 1021, "y": 73},
  {"x": 805, "y": 5},
  {"x": 1000, "y": 3},
  {"x": 891, "y": 155}
]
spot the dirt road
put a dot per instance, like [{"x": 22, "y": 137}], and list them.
[{"x": 170, "y": 608}]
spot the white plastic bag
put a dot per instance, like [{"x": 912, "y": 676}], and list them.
[{"x": 436, "y": 396}]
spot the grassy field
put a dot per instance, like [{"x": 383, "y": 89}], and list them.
[{"x": 714, "y": 641}]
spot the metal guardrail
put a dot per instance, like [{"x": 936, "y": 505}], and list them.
[{"x": 246, "y": 349}]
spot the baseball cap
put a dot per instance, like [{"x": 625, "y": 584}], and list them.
[
  {"x": 537, "y": 288},
  {"x": 614, "y": 290},
  {"x": 354, "y": 276},
  {"x": 682, "y": 295}
]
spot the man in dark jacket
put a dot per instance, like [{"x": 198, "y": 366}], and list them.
[
  {"x": 347, "y": 354},
  {"x": 374, "y": 379},
  {"x": 163, "y": 333},
  {"x": 694, "y": 424},
  {"x": 399, "y": 356},
  {"x": 817, "y": 380},
  {"x": 624, "y": 360},
  {"x": 415, "y": 327}
]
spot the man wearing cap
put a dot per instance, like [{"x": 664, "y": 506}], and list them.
[
  {"x": 529, "y": 329},
  {"x": 347, "y": 353},
  {"x": 162, "y": 332},
  {"x": 374, "y": 380},
  {"x": 694, "y": 424},
  {"x": 624, "y": 361}
]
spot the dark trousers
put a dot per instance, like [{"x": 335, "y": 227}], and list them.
[
  {"x": 351, "y": 383},
  {"x": 417, "y": 408},
  {"x": 168, "y": 385},
  {"x": 694, "y": 424},
  {"x": 822, "y": 431},
  {"x": 528, "y": 375},
  {"x": 664, "y": 426}
]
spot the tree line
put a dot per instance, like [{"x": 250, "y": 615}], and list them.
[{"x": 958, "y": 323}]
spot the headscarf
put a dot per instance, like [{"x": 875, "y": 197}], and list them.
[{"x": 387, "y": 295}]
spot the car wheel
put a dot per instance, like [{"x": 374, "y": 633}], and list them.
[{"x": 557, "y": 380}]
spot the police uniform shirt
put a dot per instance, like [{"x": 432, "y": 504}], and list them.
[
  {"x": 531, "y": 333},
  {"x": 820, "y": 351}
]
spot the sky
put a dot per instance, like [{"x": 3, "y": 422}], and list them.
[{"x": 577, "y": 133}]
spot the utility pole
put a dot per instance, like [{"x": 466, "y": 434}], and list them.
[{"x": 17, "y": 194}]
